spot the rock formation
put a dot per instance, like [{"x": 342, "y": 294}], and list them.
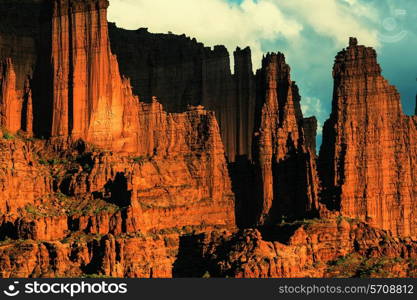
[
  {"x": 90, "y": 99},
  {"x": 182, "y": 72},
  {"x": 319, "y": 248},
  {"x": 369, "y": 146},
  {"x": 286, "y": 164},
  {"x": 113, "y": 165},
  {"x": 11, "y": 106},
  {"x": 95, "y": 180}
]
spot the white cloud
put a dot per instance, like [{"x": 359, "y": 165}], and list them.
[
  {"x": 212, "y": 22},
  {"x": 337, "y": 19},
  {"x": 250, "y": 23},
  {"x": 312, "y": 106}
]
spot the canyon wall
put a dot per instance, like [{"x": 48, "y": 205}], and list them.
[
  {"x": 181, "y": 71},
  {"x": 113, "y": 164},
  {"x": 369, "y": 146}
]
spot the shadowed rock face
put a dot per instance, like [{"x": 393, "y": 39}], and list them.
[
  {"x": 154, "y": 187},
  {"x": 285, "y": 163},
  {"x": 181, "y": 71},
  {"x": 369, "y": 146}
]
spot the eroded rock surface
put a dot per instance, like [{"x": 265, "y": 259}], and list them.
[
  {"x": 369, "y": 146},
  {"x": 96, "y": 181}
]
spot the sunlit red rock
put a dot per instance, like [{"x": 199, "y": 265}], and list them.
[{"x": 369, "y": 147}]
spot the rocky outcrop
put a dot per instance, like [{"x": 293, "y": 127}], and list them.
[
  {"x": 136, "y": 256},
  {"x": 369, "y": 146},
  {"x": 285, "y": 162},
  {"x": 245, "y": 100},
  {"x": 321, "y": 248},
  {"x": 22, "y": 179},
  {"x": 310, "y": 133}
]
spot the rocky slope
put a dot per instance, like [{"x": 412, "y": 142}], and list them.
[{"x": 336, "y": 247}]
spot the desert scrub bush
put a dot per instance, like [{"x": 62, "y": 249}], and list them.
[
  {"x": 7, "y": 135},
  {"x": 140, "y": 159}
]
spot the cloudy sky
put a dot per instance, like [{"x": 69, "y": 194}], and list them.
[{"x": 308, "y": 32}]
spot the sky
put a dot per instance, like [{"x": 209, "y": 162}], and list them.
[{"x": 308, "y": 32}]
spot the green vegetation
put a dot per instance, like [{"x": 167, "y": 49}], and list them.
[
  {"x": 52, "y": 161},
  {"x": 81, "y": 237},
  {"x": 355, "y": 265},
  {"x": 31, "y": 209},
  {"x": 141, "y": 159},
  {"x": 8, "y": 136}
]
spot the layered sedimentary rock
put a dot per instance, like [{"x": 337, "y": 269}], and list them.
[
  {"x": 285, "y": 162},
  {"x": 178, "y": 178},
  {"x": 181, "y": 72},
  {"x": 90, "y": 98},
  {"x": 10, "y": 100},
  {"x": 114, "y": 165},
  {"x": 321, "y": 248},
  {"x": 369, "y": 151},
  {"x": 22, "y": 179}
]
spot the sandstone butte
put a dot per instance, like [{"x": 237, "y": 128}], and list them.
[{"x": 109, "y": 176}]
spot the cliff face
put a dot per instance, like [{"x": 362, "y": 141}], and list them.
[
  {"x": 369, "y": 146},
  {"x": 182, "y": 72},
  {"x": 286, "y": 163},
  {"x": 90, "y": 99},
  {"x": 113, "y": 165}
]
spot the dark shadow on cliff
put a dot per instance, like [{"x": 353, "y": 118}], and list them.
[
  {"x": 8, "y": 231},
  {"x": 42, "y": 81},
  {"x": 97, "y": 248},
  {"x": 117, "y": 191},
  {"x": 291, "y": 201},
  {"x": 331, "y": 190},
  {"x": 242, "y": 176},
  {"x": 280, "y": 233},
  {"x": 190, "y": 261}
]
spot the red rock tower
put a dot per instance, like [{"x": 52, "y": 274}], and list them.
[
  {"x": 286, "y": 165},
  {"x": 369, "y": 146},
  {"x": 90, "y": 98}
]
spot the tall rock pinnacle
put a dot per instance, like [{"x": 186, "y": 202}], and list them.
[
  {"x": 286, "y": 166},
  {"x": 369, "y": 146},
  {"x": 90, "y": 98}
]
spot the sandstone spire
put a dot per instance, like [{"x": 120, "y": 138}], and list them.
[
  {"x": 286, "y": 167},
  {"x": 10, "y": 102},
  {"x": 90, "y": 98},
  {"x": 367, "y": 158}
]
